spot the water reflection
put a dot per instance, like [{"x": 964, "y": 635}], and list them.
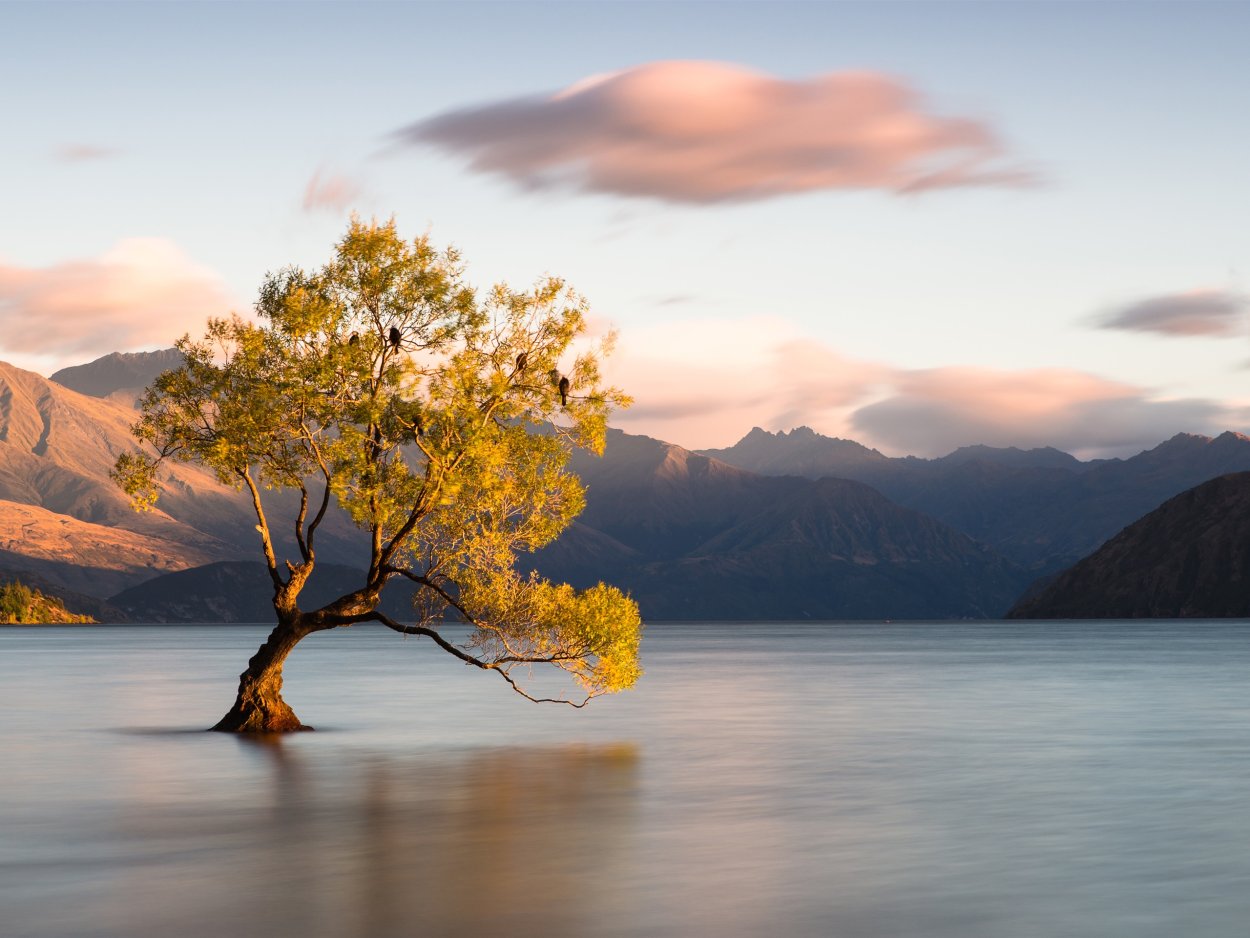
[
  {"x": 506, "y": 841},
  {"x": 911, "y": 781}
]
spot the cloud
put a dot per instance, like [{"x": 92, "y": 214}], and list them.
[
  {"x": 331, "y": 192},
  {"x": 82, "y": 152},
  {"x": 141, "y": 293},
  {"x": 1196, "y": 313},
  {"x": 932, "y": 412},
  {"x": 705, "y": 383},
  {"x": 706, "y": 132}
]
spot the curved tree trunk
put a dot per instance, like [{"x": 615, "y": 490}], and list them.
[{"x": 259, "y": 707}]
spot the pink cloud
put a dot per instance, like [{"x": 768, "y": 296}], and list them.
[
  {"x": 144, "y": 292},
  {"x": 333, "y": 192},
  {"x": 704, "y": 132},
  {"x": 932, "y": 412},
  {"x": 1193, "y": 313},
  {"x": 705, "y": 383}
]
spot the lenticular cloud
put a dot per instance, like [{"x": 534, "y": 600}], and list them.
[{"x": 704, "y": 132}]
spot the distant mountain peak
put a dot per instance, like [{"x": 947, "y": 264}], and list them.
[
  {"x": 1184, "y": 439},
  {"x": 801, "y": 435},
  {"x": 1038, "y": 457},
  {"x": 800, "y": 451},
  {"x": 118, "y": 371}
]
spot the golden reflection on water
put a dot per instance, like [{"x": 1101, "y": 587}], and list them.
[{"x": 516, "y": 842}]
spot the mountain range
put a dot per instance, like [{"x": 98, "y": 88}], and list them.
[
  {"x": 779, "y": 526},
  {"x": 1042, "y": 509}
]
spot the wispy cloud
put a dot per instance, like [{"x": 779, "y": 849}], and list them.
[
  {"x": 83, "y": 152},
  {"x": 706, "y": 132},
  {"x": 330, "y": 192},
  {"x": 1195, "y": 313},
  {"x": 141, "y": 293}
]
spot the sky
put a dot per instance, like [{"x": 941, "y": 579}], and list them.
[{"x": 919, "y": 226}]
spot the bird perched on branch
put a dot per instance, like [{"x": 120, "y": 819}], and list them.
[
  {"x": 521, "y": 360},
  {"x": 354, "y": 339},
  {"x": 561, "y": 383},
  {"x": 395, "y": 336}
]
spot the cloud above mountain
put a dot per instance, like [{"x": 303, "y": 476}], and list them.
[
  {"x": 933, "y": 411},
  {"x": 706, "y": 132},
  {"x": 703, "y": 382},
  {"x": 1219, "y": 313},
  {"x": 760, "y": 372},
  {"x": 144, "y": 292}
]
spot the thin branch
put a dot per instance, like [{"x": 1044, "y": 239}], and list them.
[
  {"x": 470, "y": 660},
  {"x": 325, "y": 495},
  {"x": 299, "y": 523},
  {"x": 436, "y": 587}
]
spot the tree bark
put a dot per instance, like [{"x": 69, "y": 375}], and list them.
[{"x": 259, "y": 707}]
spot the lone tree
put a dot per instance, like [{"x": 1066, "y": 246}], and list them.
[{"x": 381, "y": 385}]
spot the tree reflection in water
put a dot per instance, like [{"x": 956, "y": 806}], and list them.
[{"x": 502, "y": 841}]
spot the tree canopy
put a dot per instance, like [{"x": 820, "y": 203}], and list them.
[{"x": 441, "y": 421}]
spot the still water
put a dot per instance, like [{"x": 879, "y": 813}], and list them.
[{"x": 996, "y": 780}]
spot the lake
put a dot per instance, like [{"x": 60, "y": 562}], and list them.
[{"x": 1004, "y": 780}]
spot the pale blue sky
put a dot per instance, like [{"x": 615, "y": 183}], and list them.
[{"x": 216, "y": 117}]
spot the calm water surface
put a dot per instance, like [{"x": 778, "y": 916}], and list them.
[{"x": 996, "y": 780}]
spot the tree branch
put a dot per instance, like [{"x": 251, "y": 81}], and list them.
[
  {"x": 437, "y": 588},
  {"x": 475, "y": 662},
  {"x": 263, "y": 527},
  {"x": 325, "y": 495},
  {"x": 299, "y": 523}
]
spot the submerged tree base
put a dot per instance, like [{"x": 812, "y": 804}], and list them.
[
  {"x": 259, "y": 707},
  {"x": 274, "y": 717}
]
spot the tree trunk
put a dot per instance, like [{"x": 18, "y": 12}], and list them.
[{"x": 259, "y": 708}]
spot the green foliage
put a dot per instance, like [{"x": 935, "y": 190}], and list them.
[
  {"x": 15, "y": 602},
  {"x": 449, "y": 447},
  {"x": 19, "y": 604}
]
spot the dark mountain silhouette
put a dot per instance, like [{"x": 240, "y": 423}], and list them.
[
  {"x": 1040, "y": 508},
  {"x": 1188, "y": 558}
]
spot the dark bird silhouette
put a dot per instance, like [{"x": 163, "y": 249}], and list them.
[
  {"x": 396, "y": 336},
  {"x": 420, "y": 426},
  {"x": 520, "y": 361},
  {"x": 564, "y": 391},
  {"x": 354, "y": 339}
]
